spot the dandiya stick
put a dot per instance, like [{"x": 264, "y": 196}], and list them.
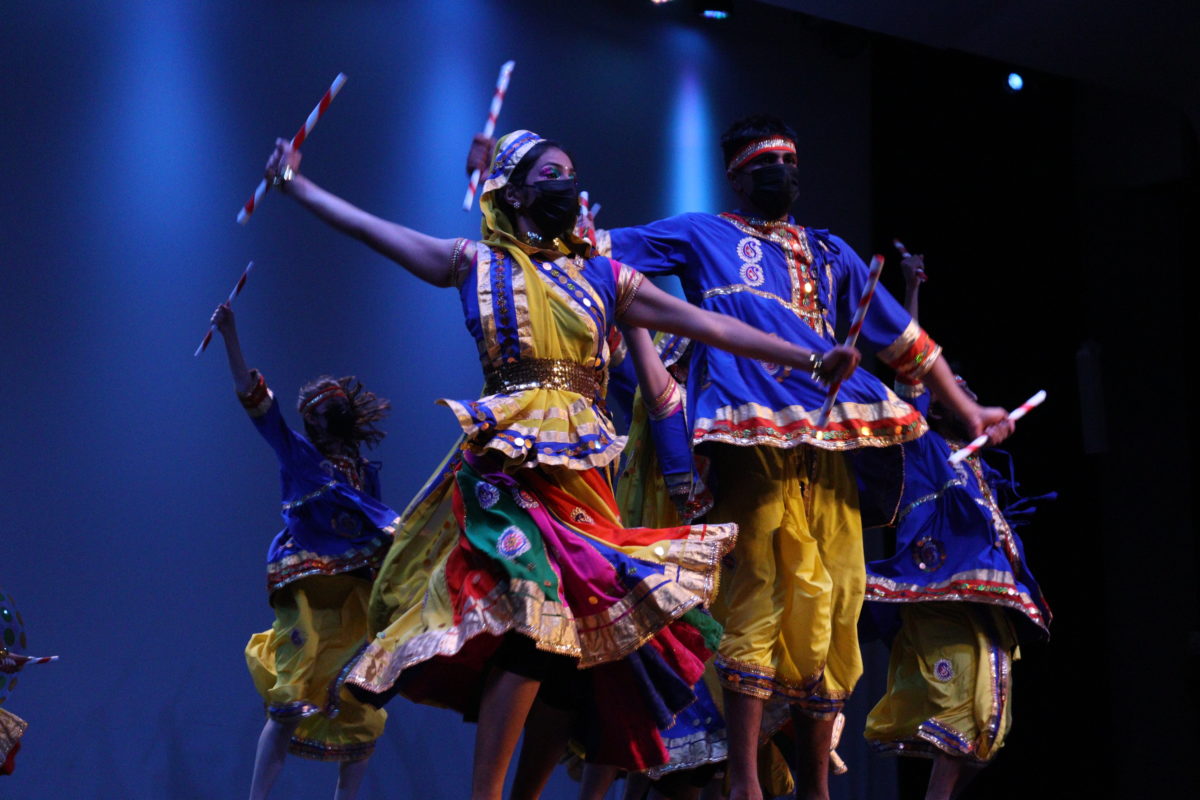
[
  {"x": 856, "y": 324},
  {"x": 244, "y": 215},
  {"x": 24, "y": 660},
  {"x": 237, "y": 289},
  {"x": 1013, "y": 415},
  {"x": 587, "y": 228},
  {"x": 489, "y": 127}
]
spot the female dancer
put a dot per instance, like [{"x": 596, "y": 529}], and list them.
[
  {"x": 512, "y": 574},
  {"x": 959, "y": 593},
  {"x": 319, "y": 570}
]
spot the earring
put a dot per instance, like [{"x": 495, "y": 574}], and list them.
[{"x": 516, "y": 203}]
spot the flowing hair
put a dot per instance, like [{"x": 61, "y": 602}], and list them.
[{"x": 366, "y": 407}]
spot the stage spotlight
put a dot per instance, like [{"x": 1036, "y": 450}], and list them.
[
  {"x": 659, "y": 2},
  {"x": 713, "y": 9},
  {"x": 1015, "y": 82}
]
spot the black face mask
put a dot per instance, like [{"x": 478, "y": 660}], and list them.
[
  {"x": 339, "y": 422},
  {"x": 776, "y": 187},
  {"x": 555, "y": 207}
]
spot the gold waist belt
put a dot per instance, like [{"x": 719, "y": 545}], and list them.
[{"x": 544, "y": 373}]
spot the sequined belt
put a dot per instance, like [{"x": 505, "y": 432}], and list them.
[{"x": 544, "y": 373}]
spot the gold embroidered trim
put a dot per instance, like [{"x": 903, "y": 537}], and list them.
[
  {"x": 604, "y": 243},
  {"x": 12, "y": 728},
  {"x": 754, "y": 424},
  {"x": 628, "y": 283},
  {"x": 793, "y": 242}
]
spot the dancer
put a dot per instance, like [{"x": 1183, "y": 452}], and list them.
[
  {"x": 12, "y": 727},
  {"x": 957, "y": 588},
  {"x": 792, "y": 591},
  {"x": 319, "y": 571},
  {"x": 512, "y": 574}
]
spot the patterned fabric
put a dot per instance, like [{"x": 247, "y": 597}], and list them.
[
  {"x": 949, "y": 683},
  {"x": 320, "y": 624},
  {"x": 330, "y": 526},
  {"x": 548, "y": 560},
  {"x": 540, "y": 552},
  {"x": 799, "y": 283},
  {"x": 12, "y": 728},
  {"x": 953, "y": 541},
  {"x": 522, "y": 309}
]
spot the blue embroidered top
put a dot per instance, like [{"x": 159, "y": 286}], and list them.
[
  {"x": 954, "y": 542},
  {"x": 796, "y": 282},
  {"x": 330, "y": 527}
]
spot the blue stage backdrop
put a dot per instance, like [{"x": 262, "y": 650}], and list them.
[{"x": 138, "y": 499}]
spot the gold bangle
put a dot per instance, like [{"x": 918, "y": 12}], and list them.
[{"x": 456, "y": 260}]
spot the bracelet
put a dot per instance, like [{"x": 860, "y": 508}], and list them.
[
  {"x": 667, "y": 403},
  {"x": 815, "y": 362},
  {"x": 456, "y": 260}
]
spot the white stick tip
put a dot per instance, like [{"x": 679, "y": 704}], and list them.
[
  {"x": 508, "y": 66},
  {"x": 338, "y": 82},
  {"x": 1037, "y": 399},
  {"x": 243, "y": 217}
]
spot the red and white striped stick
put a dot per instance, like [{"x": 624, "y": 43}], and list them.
[
  {"x": 489, "y": 127},
  {"x": 244, "y": 215},
  {"x": 587, "y": 227},
  {"x": 237, "y": 289},
  {"x": 24, "y": 660},
  {"x": 1013, "y": 415},
  {"x": 856, "y": 324}
]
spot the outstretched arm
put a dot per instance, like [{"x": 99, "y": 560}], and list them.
[
  {"x": 654, "y": 308},
  {"x": 978, "y": 419},
  {"x": 424, "y": 256},
  {"x": 243, "y": 381}
]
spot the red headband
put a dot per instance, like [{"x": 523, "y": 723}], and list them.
[
  {"x": 771, "y": 144},
  {"x": 327, "y": 392}
]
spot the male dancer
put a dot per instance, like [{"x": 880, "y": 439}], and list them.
[{"x": 793, "y": 589}]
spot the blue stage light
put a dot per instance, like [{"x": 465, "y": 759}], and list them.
[
  {"x": 1015, "y": 82},
  {"x": 713, "y": 9}
]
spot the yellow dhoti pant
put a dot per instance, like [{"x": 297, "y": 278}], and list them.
[
  {"x": 949, "y": 682},
  {"x": 320, "y": 624},
  {"x": 792, "y": 589}
]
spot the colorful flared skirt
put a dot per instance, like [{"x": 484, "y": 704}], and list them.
[{"x": 540, "y": 553}]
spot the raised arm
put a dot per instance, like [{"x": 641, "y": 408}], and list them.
[
  {"x": 913, "y": 268},
  {"x": 243, "y": 381},
  {"x": 424, "y": 256},
  {"x": 651, "y": 307}
]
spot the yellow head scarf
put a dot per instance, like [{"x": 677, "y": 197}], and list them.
[{"x": 496, "y": 227}]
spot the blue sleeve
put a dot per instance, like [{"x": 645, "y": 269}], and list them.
[
  {"x": 296, "y": 455},
  {"x": 659, "y": 248},
  {"x": 886, "y": 318},
  {"x": 672, "y": 443}
]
